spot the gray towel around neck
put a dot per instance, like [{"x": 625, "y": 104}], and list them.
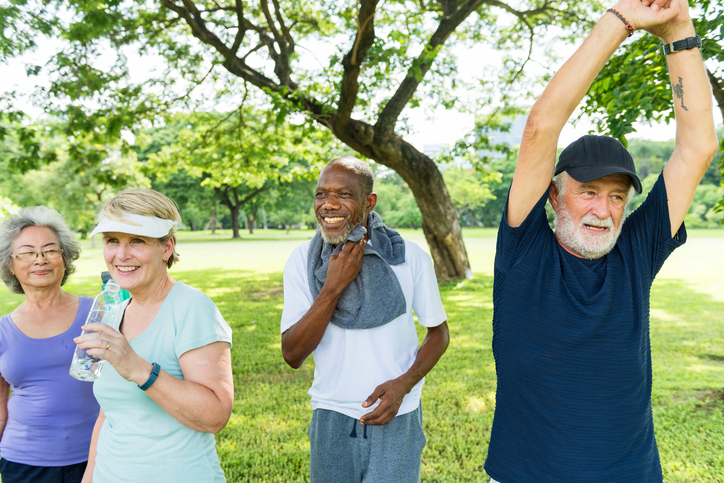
[{"x": 375, "y": 297}]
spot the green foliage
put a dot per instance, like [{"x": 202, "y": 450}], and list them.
[
  {"x": 20, "y": 23},
  {"x": 396, "y": 203},
  {"x": 75, "y": 180},
  {"x": 470, "y": 190},
  {"x": 634, "y": 84},
  {"x": 292, "y": 204}
]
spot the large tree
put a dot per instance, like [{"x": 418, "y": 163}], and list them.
[
  {"x": 384, "y": 58},
  {"x": 242, "y": 155}
]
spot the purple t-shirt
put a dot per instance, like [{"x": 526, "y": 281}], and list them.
[{"x": 50, "y": 414}]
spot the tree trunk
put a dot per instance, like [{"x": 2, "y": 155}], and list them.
[
  {"x": 718, "y": 90},
  {"x": 250, "y": 223},
  {"x": 440, "y": 221},
  {"x": 376, "y": 141},
  {"x": 235, "y": 212},
  {"x": 213, "y": 222}
]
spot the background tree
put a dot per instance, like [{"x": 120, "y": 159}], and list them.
[
  {"x": 242, "y": 155},
  {"x": 76, "y": 178},
  {"x": 634, "y": 85},
  {"x": 384, "y": 58},
  {"x": 292, "y": 204}
]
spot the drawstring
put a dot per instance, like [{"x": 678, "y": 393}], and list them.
[{"x": 353, "y": 434}]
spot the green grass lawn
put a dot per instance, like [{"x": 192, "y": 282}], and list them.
[{"x": 266, "y": 439}]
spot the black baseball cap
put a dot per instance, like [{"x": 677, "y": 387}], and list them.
[{"x": 591, "y": 157}]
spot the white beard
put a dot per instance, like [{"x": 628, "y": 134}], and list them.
[
  {"x": 342, "y": 237},
  {"x": 581, "y": 242}
]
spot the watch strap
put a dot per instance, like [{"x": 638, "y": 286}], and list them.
[
  {"x": 684, "y": 44},
  {"x": 152, "y": 378}
]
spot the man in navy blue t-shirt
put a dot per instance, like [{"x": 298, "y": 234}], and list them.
[{"x": 571, "y": 321}]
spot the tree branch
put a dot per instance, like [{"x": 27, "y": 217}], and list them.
[
  {"x": 388, "y": 118},
  {"x": 351, "y": 62},
  {"x": 718, "y": 89},
  {"x": 241, "y": 32}
]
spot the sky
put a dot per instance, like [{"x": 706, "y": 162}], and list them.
[{"x": 440, "y": 127}]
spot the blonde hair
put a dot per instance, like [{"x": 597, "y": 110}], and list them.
[{"x": 144, "y": 202}]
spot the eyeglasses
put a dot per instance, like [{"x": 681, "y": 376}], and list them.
[{"x": 28, "y": 256}]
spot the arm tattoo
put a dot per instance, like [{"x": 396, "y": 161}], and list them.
[{"x": 679, "y": 92}]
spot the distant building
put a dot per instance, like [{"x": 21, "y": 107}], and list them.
[
  {"x": 511, "y": 138},
  {"x": 431, "y": 150}
]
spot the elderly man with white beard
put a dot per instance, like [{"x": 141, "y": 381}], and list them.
[
  {"x": 571, "y": 318},
  {"x": 349, "y": 297}
]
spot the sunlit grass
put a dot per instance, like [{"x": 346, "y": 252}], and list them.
[{"x": 266, "y": 439}]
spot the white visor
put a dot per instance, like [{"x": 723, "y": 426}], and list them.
[{"x": 149, "y": 226}]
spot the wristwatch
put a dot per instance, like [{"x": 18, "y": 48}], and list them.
[{"x": 688, "y": 43}]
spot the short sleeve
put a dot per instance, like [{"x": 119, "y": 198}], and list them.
[
  {"x": 297, "y": 296},
  {"x": 200, "y": 323},
  {"x": 426, "y": 300},
  {"x": 649, "y": 229},
  {"x": 513, "y": 241}
]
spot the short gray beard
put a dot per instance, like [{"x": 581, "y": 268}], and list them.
[
  {"x": 577, "y": 241},
  {"x": 342, "y": 237}
]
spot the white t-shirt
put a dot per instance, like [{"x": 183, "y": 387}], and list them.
[{"x": 351, "y": 363}]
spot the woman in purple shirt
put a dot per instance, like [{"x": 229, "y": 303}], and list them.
[{"x": 46, "y": 425}]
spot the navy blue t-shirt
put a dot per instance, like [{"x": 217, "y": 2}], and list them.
[{"x": 572, "y": 352}]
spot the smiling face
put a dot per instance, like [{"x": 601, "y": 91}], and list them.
[
  {"x": 137, "y": 263},
  {"x": 339, "y": 203},
  {"x": 589, "y": 215},
  {"x": 40, "y": 272}
]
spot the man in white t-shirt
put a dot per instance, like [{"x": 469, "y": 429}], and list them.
[{"x": 350, "y": 303}]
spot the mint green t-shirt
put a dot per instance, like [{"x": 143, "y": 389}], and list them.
[{"x": 139, "y": 441}]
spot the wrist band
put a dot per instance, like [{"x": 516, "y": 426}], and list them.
[
  {"x": 629, "y": 27},
  {"x": 152, "y": 378},
  {"x": 685, "y": 44}
]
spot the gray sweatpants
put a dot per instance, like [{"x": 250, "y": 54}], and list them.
[{"x": 343, "y": 450}]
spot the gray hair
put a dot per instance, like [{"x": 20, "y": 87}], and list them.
[
  {"x": 562, "y": 178},
  {"x": 38, "y": 216}
]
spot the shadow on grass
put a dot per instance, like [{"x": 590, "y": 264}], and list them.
[
  {"x": 266, "y": 439},
  {"x": 687, "y": 339}
]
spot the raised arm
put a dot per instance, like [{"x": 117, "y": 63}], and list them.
[
  {"x": 696, "y": 142},
  {"x": 536, "y": 161},
  {"x": 303, "y": 337}
]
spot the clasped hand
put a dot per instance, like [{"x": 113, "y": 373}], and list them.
[
  {"x": 103, "y": 341},
  {"x": 390, "y": 395},
  {"x": 657, "y": 17},
  {"x": 345, "y": 266}
]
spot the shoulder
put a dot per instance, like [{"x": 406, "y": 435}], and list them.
[
  {"x": 185, "y": 300},
  {"x": 298, "y": 258},
  {"x": 186, "y": 294},
  {"x": 414, "y": 252},
  {"x": 416, "y": 258}
]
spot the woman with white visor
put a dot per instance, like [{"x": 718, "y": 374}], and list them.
[{"x": 167, "y": 385}]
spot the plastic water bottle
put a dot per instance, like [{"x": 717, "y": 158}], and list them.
[{"x": 106, "y": 310}]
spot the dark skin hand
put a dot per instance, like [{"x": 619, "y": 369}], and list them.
[
  {"x": 302, "y": 338},
  {"x": 391, "y": 393}
]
